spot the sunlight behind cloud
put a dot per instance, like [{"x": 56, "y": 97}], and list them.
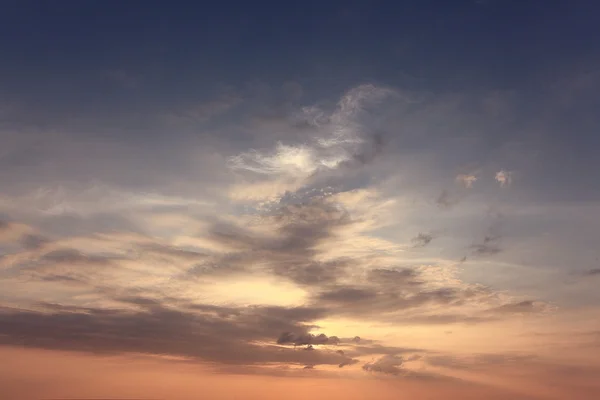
[{"x": 251, "y": 291}]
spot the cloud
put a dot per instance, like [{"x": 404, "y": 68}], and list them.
[
  {"x": 504, "y": 177},
  {"x": 311, "y": 210},
  {"x": 521, "y": 307},
  {"x": 592, "y": 272},
  {"x": 466, "y": 180},
  {"x": 341, "y": 140},
  {"x": 479, "y": 361},
  {"x": 388, "y": 364},
  {"x": 422, "y": 239},
  {"x": 33, "y": 241},
  {"x": 213, "y": 334},
  {"x": 307, "y": 339},
  {"x": 447, "y": 200},
  {"x": 489, "y": 247}
]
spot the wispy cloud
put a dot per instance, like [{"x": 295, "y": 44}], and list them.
[
  {"x": 504, "y": 177},
  {"x": 466, "y": 180}
]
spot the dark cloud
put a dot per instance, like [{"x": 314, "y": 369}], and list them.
[
  {"x": 396, "y": 277},
  {"x": 362, "y": 350},
  {"x": 68, "y": 279},
  {"x": 68, "y": 225},
  {"x": 592, "y": 272},
  {"x": 391, "y": 301},
  {"x": 526, "y": 306},
  {"x": 204, "y": 336},
  {"x": 422, "y": 239},
  {"x": 447, "y": 200},
  {"x": 488, "y": 247},
  {"x": 289, "y": 251},
  {"x": 373, "y": 147},
  {"x": 478, "y": 361},
  {"x": 347, "y": 295},
  {"x": 388, "y": 364},
  {"x": 33, "y": 242},
  {"x": 165, "y": 251},
  {"x": 74, "y": 257},
  {"x": 307, "y": 339}
]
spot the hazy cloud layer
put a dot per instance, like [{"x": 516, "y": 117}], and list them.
[{"x": 325, "y": 217}]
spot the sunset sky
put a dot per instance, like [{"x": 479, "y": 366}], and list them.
[{"x": 300, "y": 200}]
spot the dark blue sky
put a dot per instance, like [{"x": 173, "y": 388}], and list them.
[
  {"x": 112, "y": 66},
  {"x": 185, "y": 46}
]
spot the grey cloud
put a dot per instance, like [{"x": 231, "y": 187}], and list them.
[
  {"x": 313, "y": 273},
  {"x": 348, "y": 361},
  {"x": 74, "y": 257},
  {"x": 592, "y": 272},
  {"x": 393, "y": 276},
  {"x": 478, "y": 361},
  {"x": 347, "y": 295},
  {"x": 68, "y": 279},
  {"x": 307, "y": 339},
  {"x": 526, "y": 306},
  {"x": 362, "y": 350},
  {"x": 489, "y": 246},
  {"x": 288, "y": 252},
  {"x": 170, "y": 251},
  {"x": 77, "y": 225},
  {"x": 368, "y": 153},
  {"x": 447, "y": 200},
  {"x": 389, "y": 301},
  {"x": 159, "y": 330},
  {"x": 66, "y": 265},
  {"x": 422, "y": 239},
  {"x": 486, "y": 249},
  {"x": 33, "y": 242},
  {"x": 388, "y": 364}
]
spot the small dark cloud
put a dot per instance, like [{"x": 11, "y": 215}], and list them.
[
  {"x": 388, "y": 364},
  {"x": 346, "y": 295},
  {"x": 478, "y": 361},
  {"x": 159, "y": 329},
  {"x": 348, "y": 361},
  {"x": 422, "y": 239},
  {"x": 72, "y": 256},
  {"x": 307, "y": 339},
  {"x": 368, "y": 153},
  {"x": 592, "y": 272},
  {"x": 521, "y": 307},
  {"x": 63, "y": 279},
  {"x": 32, "y": 242},
  {"x": 171, "y": 251},
  {"x": 488, "y": 247},
  {"x": 446, "y": 200}
]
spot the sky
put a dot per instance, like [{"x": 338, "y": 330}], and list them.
[{"x": 326, "y": 200}]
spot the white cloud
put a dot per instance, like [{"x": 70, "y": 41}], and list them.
[
  {"x": 340, "y": 139},
  {"x": 504, "y": 178}
]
